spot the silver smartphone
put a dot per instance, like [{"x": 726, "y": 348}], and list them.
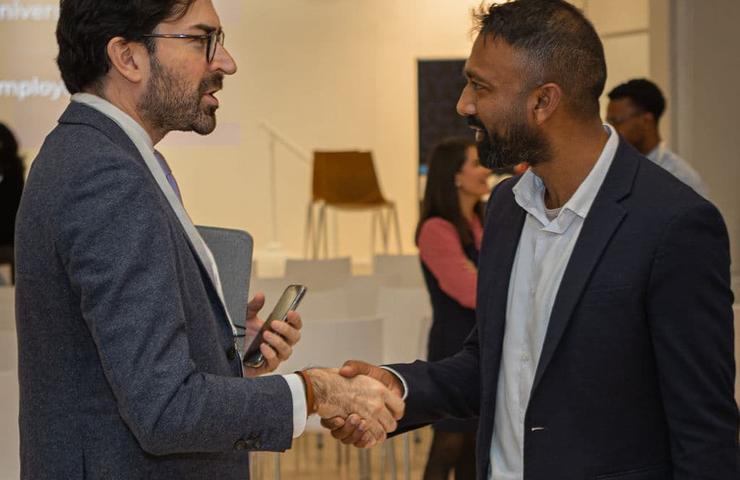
[{"x": 289, "y": 301}]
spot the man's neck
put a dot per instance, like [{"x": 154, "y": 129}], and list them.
[
  {"x": 649, "y": 143},
  {"x": 126, "y": 102},
  {"x": 575, "y": 150}
]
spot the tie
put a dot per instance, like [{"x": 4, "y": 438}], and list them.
[
  {"x": 168, "y": 174},
  {"x": 209, "y": 263}
]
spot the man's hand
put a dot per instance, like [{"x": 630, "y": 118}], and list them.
[
  {"x": 278, "y": 341},
  {"x": 376, "y": 408},
  {"x": 352, "y": 368},
  {"x": 353, "y": 430}
]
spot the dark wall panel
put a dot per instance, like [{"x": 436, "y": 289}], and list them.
[{"x": 440, "y": 84}]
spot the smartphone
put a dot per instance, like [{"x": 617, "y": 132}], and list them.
[{"x": 289, "y": 301}]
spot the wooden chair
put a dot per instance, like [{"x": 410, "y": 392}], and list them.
[{"x": 346, "y": 180}]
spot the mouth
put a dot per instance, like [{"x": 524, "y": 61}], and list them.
[
  {"x": 211, "y": 97},
  {"x": 209, "y": 87},
  {"x": 477, "y": 126}
]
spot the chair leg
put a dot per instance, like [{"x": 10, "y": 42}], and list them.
[
  {"x": 339, "y": 454},
  {"x": 383, "y": 460},
  {"x": 363, "y": 456},
  {"x": 320, "y": 447},
  {"x": 335, "y": 232},
  {"x": 384, "y": 229},
  {"x": 398, "y": 228},
  {"x": 277, "y": 466},
  {"x": 321, "y": 233},
  {"x": 372, "y": 233},
  {"x": 407, "y": 456},
  {"x": 326, "y": 234},
  {"x": 308, "y": 232},
  {"x": 392, "y": 454}
]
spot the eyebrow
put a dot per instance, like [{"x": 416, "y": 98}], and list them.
[
  {"x": 205, "y": 27},
  {"x": 469, "y": 74}
]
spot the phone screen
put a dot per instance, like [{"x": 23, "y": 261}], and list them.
[{"x": 289, "y": 300}]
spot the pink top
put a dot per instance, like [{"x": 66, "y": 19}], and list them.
[{"x": 442, "y": 252}]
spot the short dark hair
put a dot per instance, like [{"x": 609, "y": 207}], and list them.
[
  {"x": 643, "y": 93},
  {"x": 559, "y": 43},
  {"x": 440, "y": 195},
  {"x": 86, "y": 26}
]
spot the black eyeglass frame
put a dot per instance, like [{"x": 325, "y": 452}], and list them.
[{"x": 214, "y": 38}]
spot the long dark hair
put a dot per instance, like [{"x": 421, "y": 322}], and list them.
[
  {"x": 11, "y": 164},
  {"x": 440, "y": 196}
]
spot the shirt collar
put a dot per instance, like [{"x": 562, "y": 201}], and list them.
[
  {"x": 130, "y": 126},
  {"x": 529, "y": 192},
  {"x": 656, "y": 154}
]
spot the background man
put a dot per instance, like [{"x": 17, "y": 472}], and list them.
[
  {"x": 127, "y": 362},
  {"x": 634, "y": 109},
  {"x": 604, "y": 338}
]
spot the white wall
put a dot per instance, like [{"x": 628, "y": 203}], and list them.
[
  {"x": 340, "y": 74},
  {"x": 706, "y": 76},
  {"x": 327, "y": 74}
]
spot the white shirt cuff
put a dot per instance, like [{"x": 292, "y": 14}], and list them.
[
  {"x": 403, "y": 381},
  {"x": 298, "y": 392}
]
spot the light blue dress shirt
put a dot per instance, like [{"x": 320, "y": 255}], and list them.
[
  {"x": 679, "y": 167},
  {"x": 545, "y": 246}
]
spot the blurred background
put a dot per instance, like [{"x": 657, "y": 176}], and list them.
[
  {"x": 344, "y": 75},
  {"x": 379, "y": 76}
]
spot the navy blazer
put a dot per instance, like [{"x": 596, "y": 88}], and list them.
[
  {"x": 127, "y": 366},
  {"x": 636, "y": 376}
]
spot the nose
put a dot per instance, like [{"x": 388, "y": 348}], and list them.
[
  {"x": 466, "y": 104},
  {"x": 223, "y": 61}
]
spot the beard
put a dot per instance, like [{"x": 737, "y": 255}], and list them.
[
  {"x": 520, "y": 143},
  {"x": 169, "y": 103}
]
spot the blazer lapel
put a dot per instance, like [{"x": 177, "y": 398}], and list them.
[
  {"x": 503, "y": 228},
  {"x": 78, "y": 113},
  {"x": 604, "y": 217}
]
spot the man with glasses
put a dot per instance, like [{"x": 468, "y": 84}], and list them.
[
  {"x": 128, "y": 366},
  {"x": 634, "y": 109}
]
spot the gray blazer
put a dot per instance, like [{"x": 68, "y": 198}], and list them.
[{"x": 126, "y": 365}]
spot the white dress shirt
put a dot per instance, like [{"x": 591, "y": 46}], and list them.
[
  {"x": 144, "y": 145},
  {"x": 545, "y": 246},
  {"x": 679, "y": 167}
]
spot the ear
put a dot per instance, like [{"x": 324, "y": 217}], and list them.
[
  {"x": 129, "y": 59},
  {"x": 546, "y": 99},
  {"x": 648, "y": 120},
  {"x": 458, "y": 183}
]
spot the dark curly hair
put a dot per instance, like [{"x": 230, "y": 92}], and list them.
[
  {"x": 559, "y": 45},
  {"x": 86, "y": 26},
  {"x": 643, "y": 93}
]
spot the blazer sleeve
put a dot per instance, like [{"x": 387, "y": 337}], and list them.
[
  {"x": 690, "y": 312},
  {"x": 117, "y": 247},
  {"x": 443, "y": 389}
]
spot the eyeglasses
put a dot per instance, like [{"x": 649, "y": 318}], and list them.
[{"x": 216, "y": 37}]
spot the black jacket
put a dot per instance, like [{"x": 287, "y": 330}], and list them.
[{"x": 636, "y": 376}]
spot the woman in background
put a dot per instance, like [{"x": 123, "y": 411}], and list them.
[
  {"x": 449, "y": 237},
  {"x": 11, "y": 187}
]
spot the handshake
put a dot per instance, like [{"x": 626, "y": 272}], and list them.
[{"x": 360, "y": 403}]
